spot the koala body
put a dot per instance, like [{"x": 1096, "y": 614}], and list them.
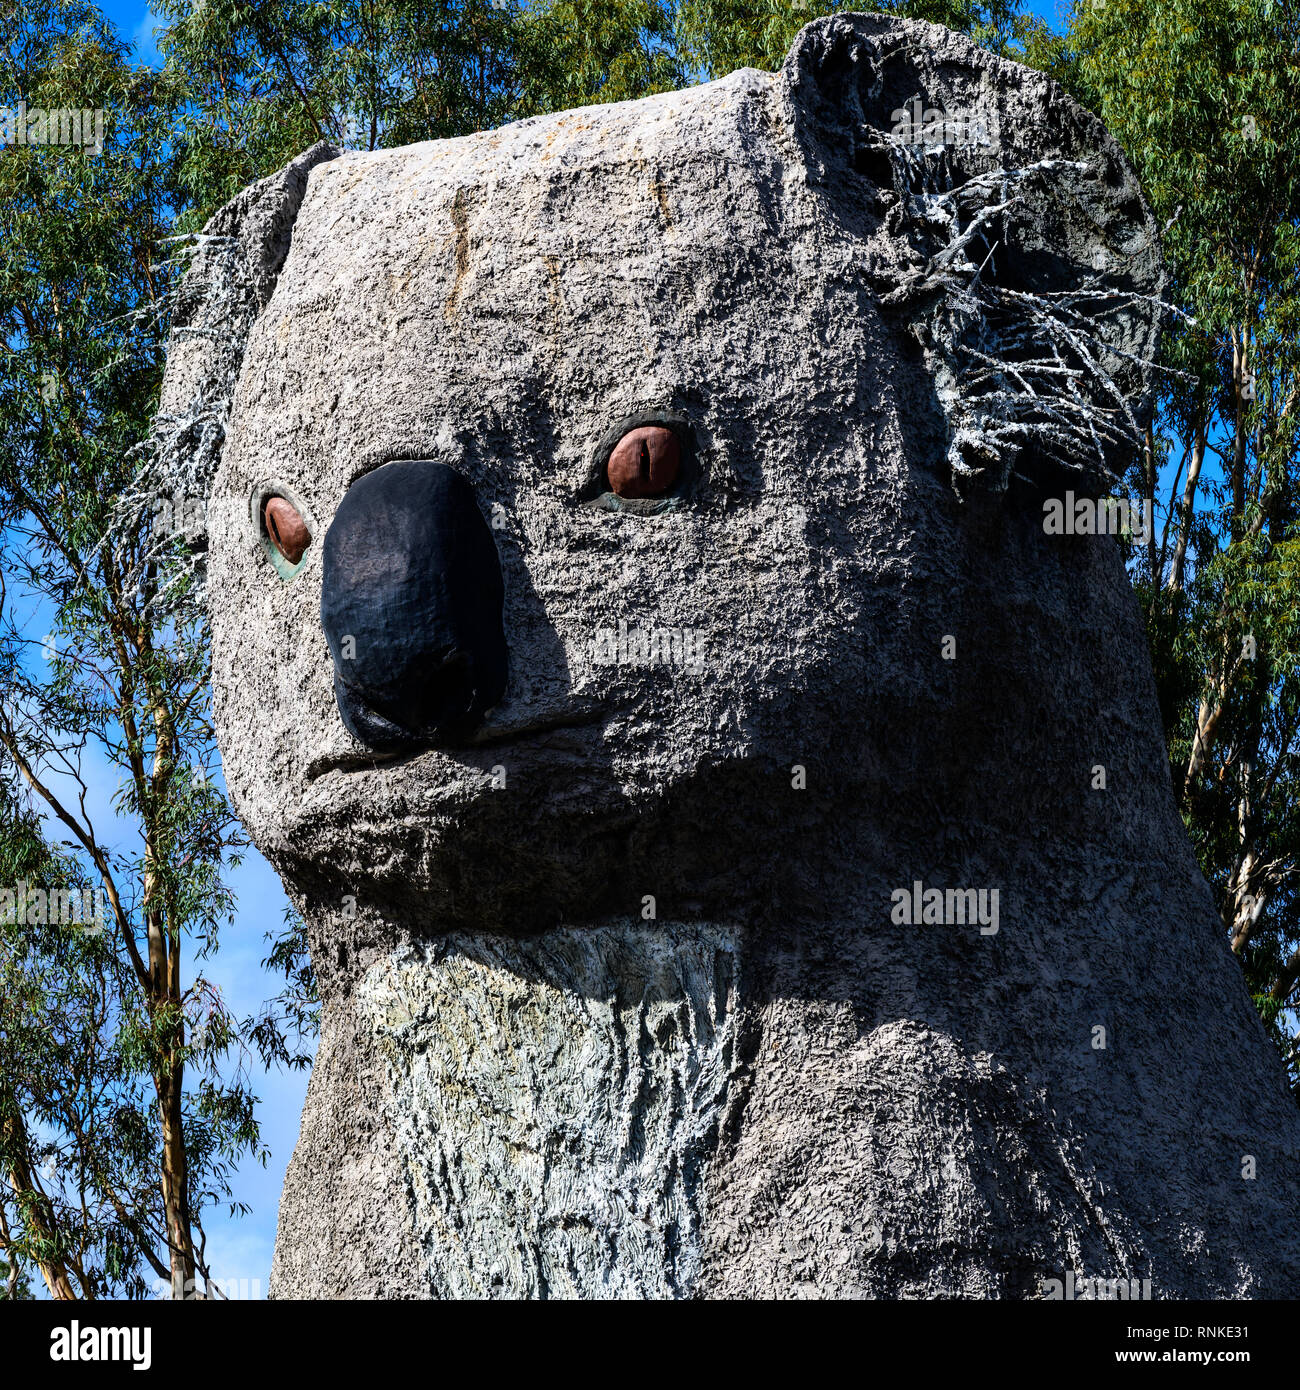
[{"x": 619, "y": 998}]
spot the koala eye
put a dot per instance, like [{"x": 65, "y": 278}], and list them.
[
  {"x": 645, "y": 462},
  {"x": 285, "y": 528}
]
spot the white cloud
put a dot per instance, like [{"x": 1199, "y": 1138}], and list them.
[{"x": 145, "y": 43}]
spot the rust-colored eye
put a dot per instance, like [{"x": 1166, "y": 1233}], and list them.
[
  {"x": 645, "y": 462},
  {"x": 287, "y": 530}
]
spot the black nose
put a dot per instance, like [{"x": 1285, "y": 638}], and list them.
[{"x": 411, "y": 607}]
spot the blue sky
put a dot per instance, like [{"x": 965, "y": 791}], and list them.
[
  {"x": 240, "y": 1248},
  {"x": 135, "y": 23}
]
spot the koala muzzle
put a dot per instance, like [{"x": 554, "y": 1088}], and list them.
[{"x": 411, "y": 606}]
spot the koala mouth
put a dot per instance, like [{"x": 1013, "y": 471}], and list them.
[{"x": 492, "y": 733}]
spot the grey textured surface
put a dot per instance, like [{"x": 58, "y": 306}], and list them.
[
  {"x": 557, "y": 1101},
  {"x": 776, "y": 1089}
]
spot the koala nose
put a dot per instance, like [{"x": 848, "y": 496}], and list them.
[{"x": 411, "y": 606}]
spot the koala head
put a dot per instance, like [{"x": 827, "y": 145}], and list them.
[{"x": 577, "y": 473}]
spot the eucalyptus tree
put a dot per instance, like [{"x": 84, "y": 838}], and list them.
[
  {"x": 262, "y": 80},
  {"x": 1205, "y": 97},
  {"x": 715, "y": 37},
  {"x": 119, "y": 1117}
]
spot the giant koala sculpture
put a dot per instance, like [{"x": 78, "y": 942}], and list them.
[{"x": 630, "y": 595}]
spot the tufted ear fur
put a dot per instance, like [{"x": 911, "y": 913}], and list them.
[
  {"x": 1005, "y": 227},
  {"x": 236, "y": 261}
]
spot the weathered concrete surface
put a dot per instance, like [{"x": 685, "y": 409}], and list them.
[{"x": 527, "y": 1084}]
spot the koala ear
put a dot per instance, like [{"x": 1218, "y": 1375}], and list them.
[
  {"x": 1006, "y": 229},
  {"x": 232, "y": 272},
  {"x": 830, "y": 86}
]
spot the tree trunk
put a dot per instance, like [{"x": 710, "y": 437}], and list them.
[{"x": 175, "y": 1184}]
